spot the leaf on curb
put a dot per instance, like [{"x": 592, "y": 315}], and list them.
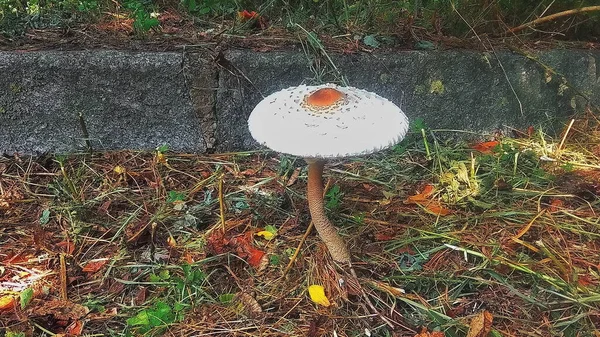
[
  {"x": 317, "y": 295},
  {"x": 481, "y": 325}
]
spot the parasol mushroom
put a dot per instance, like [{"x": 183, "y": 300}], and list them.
[{"x": 324, "y": 122}]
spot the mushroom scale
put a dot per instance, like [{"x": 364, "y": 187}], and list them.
[{"x": 298, "y": 121}]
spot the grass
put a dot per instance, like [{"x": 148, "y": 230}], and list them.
[
  {"x": 165, "y": 244},
  {"x": 369, "y": 23}
]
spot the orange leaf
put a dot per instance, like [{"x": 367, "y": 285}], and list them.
[
  {"x": 75, "y": 328},
  {"x": 437, "y": 209},
  {"x": 7, "y": 302},
  {"x": 423, "y": 196},
  {"x": 586, "y": 281},
  {"x": 245, "y": 15},
  {"x": 555, "y": 205},
  {"x": 255, "y": 256},
  {"x": 171, "y": 242},
  {"x": 425, "y": 333},
  {"x": 486, "y": 147},
  {"x": 481, "y": 325},
  {"x": 94, "y": 265}
]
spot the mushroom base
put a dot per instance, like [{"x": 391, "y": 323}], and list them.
[{"x": 328, "y": 233}]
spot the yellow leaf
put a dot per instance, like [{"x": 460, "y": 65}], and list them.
[
  {"x": 171, "y": 242},
  {"x": 119, "y": 169},
  {"x": 7, "y": 302},
  {"x": 266, "y": 234},
  {"x": 317, "y": 295},
  {"x": 161, "y": 158}
]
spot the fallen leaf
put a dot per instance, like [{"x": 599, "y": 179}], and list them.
[
  {"x": 7, "y": 302},
  {"x": 293, "y": 178},
  {"x": 140, "y": 297},
  {"x": 266, "y": 235},
  {"x": 437, "y": 209},
  {"x": 481, "y": 325},
  {"x": 423, "y": 196},
  {"x": 586, "y": 280},
  {"x": 171, "y": 242},
  {"x": 119, "y": 169},
  {"x": 246, "y": 15},
  {"x": 485, "y": 147},
  {"x": 68, "y": 246},
  {"x": 61, "y": 310},
  {"x": 425, "y": 333},
  {"x": 317, "y": 295},
  {"x": 160, "y": 157},
  {"x": 25, "y": 297},
  {"x": 394, "y": 291},
  {"x": 255, "y": 256},
  {"x": 248, "y": 172},
  {"x": 250, "y": 306},
  {"x": 94, "y": 265},
  {"x": 75, "y": 328},
  {"x": 383, "y": 237},
  {"x": 216, "y": 242},
  {"x": 555, "y": 205}
]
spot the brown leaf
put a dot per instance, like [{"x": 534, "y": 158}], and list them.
[
  {"x": 68, "y": 246},
  {"x": 140, "y": 297},
  {"x": 94, "y": 265},
  {"x": 293, "y": 178},
  {"x": 383, "y": 237},
  {"x": 251, "y": 307},
  {"x": 481, "y": 325},
  {"x": 60, "y": 310}
]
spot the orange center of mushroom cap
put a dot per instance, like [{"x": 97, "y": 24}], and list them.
[{"x": 324, "y": 98}]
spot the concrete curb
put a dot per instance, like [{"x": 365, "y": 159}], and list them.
[{"x": 53, "y": 101}]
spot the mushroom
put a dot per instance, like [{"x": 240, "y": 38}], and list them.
[{"x": 324, "y": 122}]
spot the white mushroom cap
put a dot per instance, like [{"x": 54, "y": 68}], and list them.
[{"x": 327, "y": 121}]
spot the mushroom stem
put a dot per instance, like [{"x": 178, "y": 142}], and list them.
[{"x": 328, "y": 233}]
